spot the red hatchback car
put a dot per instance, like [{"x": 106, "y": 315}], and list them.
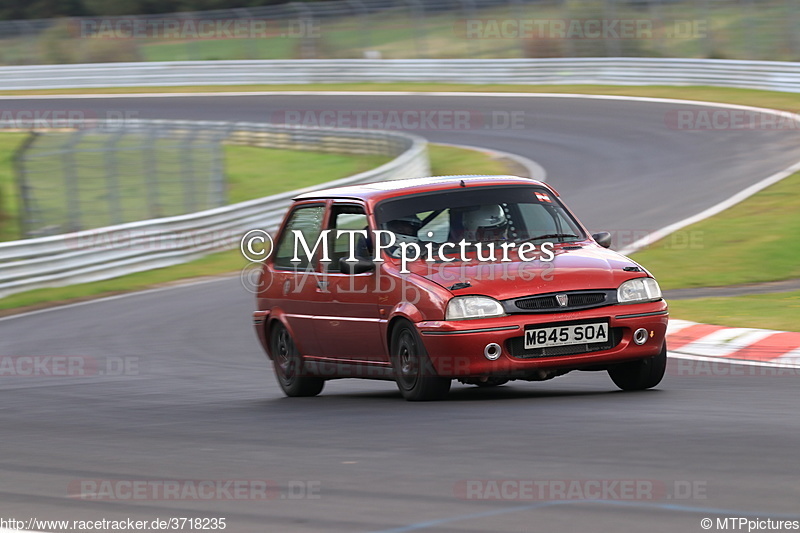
[{"x": 482, "y": 279}]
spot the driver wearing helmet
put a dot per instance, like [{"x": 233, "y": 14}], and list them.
[
  {"x": 485, "y": 223},
  {"x": 405, "y": 229}
]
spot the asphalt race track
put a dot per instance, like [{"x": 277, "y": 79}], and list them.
[{"x": 198, "y": 400}]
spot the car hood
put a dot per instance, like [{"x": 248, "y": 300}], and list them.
[{"x": 588, "y": 267}]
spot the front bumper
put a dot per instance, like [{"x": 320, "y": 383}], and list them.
[{"x": 456, "y": 348}]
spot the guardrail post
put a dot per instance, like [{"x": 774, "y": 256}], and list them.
[
  {"x": 150, "y": 155},
  {"x": 71, "y": 191},
  {"x": 515, "y": 11},
  {"x": 708, "y": 38},
  {"x": 188, "y": 175},
  {"x": 473, "y": 45},
  {"x": 365, "y": 31},
  {"x": 115, "y": 210},
  {"x": 251, "y": 47},
  {"x": 794, "y": 27},
  {"x": 749, "y": 28},
  {"x": 191, "y": 44},
  {"x": 417, "y": 11},
  {"x": 611, "y": 45},
  {"x": 26, "y": 211},
  {"x": 218, "y": 193},
  {"x": 25, "y": 31},
  {"x": 306, "y": 20},
  {"x": 654, "y": 11},
  {"x": 568, "y": 48}
]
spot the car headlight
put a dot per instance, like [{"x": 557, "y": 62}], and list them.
[
  {"x": 638, "y": 290},
  {"x": 462, "y": 307}
]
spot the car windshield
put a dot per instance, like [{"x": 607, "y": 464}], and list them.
[{"x": 479, "y": 214}]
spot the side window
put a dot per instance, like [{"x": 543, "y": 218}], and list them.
[
  {"x": 309, "y": 221},
  {"x": 348, "y": 217}
]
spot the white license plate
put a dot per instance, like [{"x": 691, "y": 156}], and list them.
[{"x": 566, "y": 335}]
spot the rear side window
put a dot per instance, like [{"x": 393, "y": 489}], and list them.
[
  {"x": 309, "y": 221},
  {"x": 348, "y": 217}
]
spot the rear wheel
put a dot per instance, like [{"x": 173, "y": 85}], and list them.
[
  {"x": 289, "y": 366},
  {"x": 416, "y": 378},
  {"x": 640, "y": 375}
]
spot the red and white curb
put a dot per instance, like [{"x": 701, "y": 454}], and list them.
[{"x": 690, "y": 340}]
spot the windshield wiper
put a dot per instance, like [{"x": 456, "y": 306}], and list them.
[{"x": 553, "y": 236}]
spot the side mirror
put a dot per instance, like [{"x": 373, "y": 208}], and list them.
[
  {"x": 359, "y": 267},
  {"x": 603, "y": 239}
]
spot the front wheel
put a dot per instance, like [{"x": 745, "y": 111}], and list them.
[
  {"x": 416, "y": 378},
  {"x": 640, "y": 375},
  {"x": 289, "y": 366}
]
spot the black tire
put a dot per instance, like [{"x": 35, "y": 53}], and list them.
[
  {"x": 415, "y": 376},
  {"x": 640, "y": 375},
  {"x": 289, "y": 366}
]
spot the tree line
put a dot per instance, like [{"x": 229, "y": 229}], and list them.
[{"x": 43, "y": 9}]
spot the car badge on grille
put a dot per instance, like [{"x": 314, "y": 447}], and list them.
[{"x": 562, "y": 299}]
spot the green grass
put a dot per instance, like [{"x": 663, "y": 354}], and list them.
[
  {"x": 207, "y": 50},
  {"x": 755, "y": 241},
  {"x": 444, "y": 160},
  {"x": 769, "y": 311},
  {"x": 253, "y": 172},
  {"x": 449, "y": 160}
]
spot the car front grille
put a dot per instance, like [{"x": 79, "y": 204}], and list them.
[
  {"x": 548, "y": 303},
  {"x": 516, "y": 347}
]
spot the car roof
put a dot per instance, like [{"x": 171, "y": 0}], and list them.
[{"x": 393, "y": 188}]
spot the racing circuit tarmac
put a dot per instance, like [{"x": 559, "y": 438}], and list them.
[{"x": 199, "y": 401}]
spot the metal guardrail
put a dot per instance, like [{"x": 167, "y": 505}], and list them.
[
  {"x": 766, "y": 75},
  {"x": 113, "y": 251}
]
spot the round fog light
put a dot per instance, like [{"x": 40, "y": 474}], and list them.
[
  {"x": 492, "y": 351},
  {"x": 640, "y": 336}
]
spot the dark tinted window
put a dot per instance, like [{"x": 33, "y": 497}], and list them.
[{"x": 309, "y": 221}]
